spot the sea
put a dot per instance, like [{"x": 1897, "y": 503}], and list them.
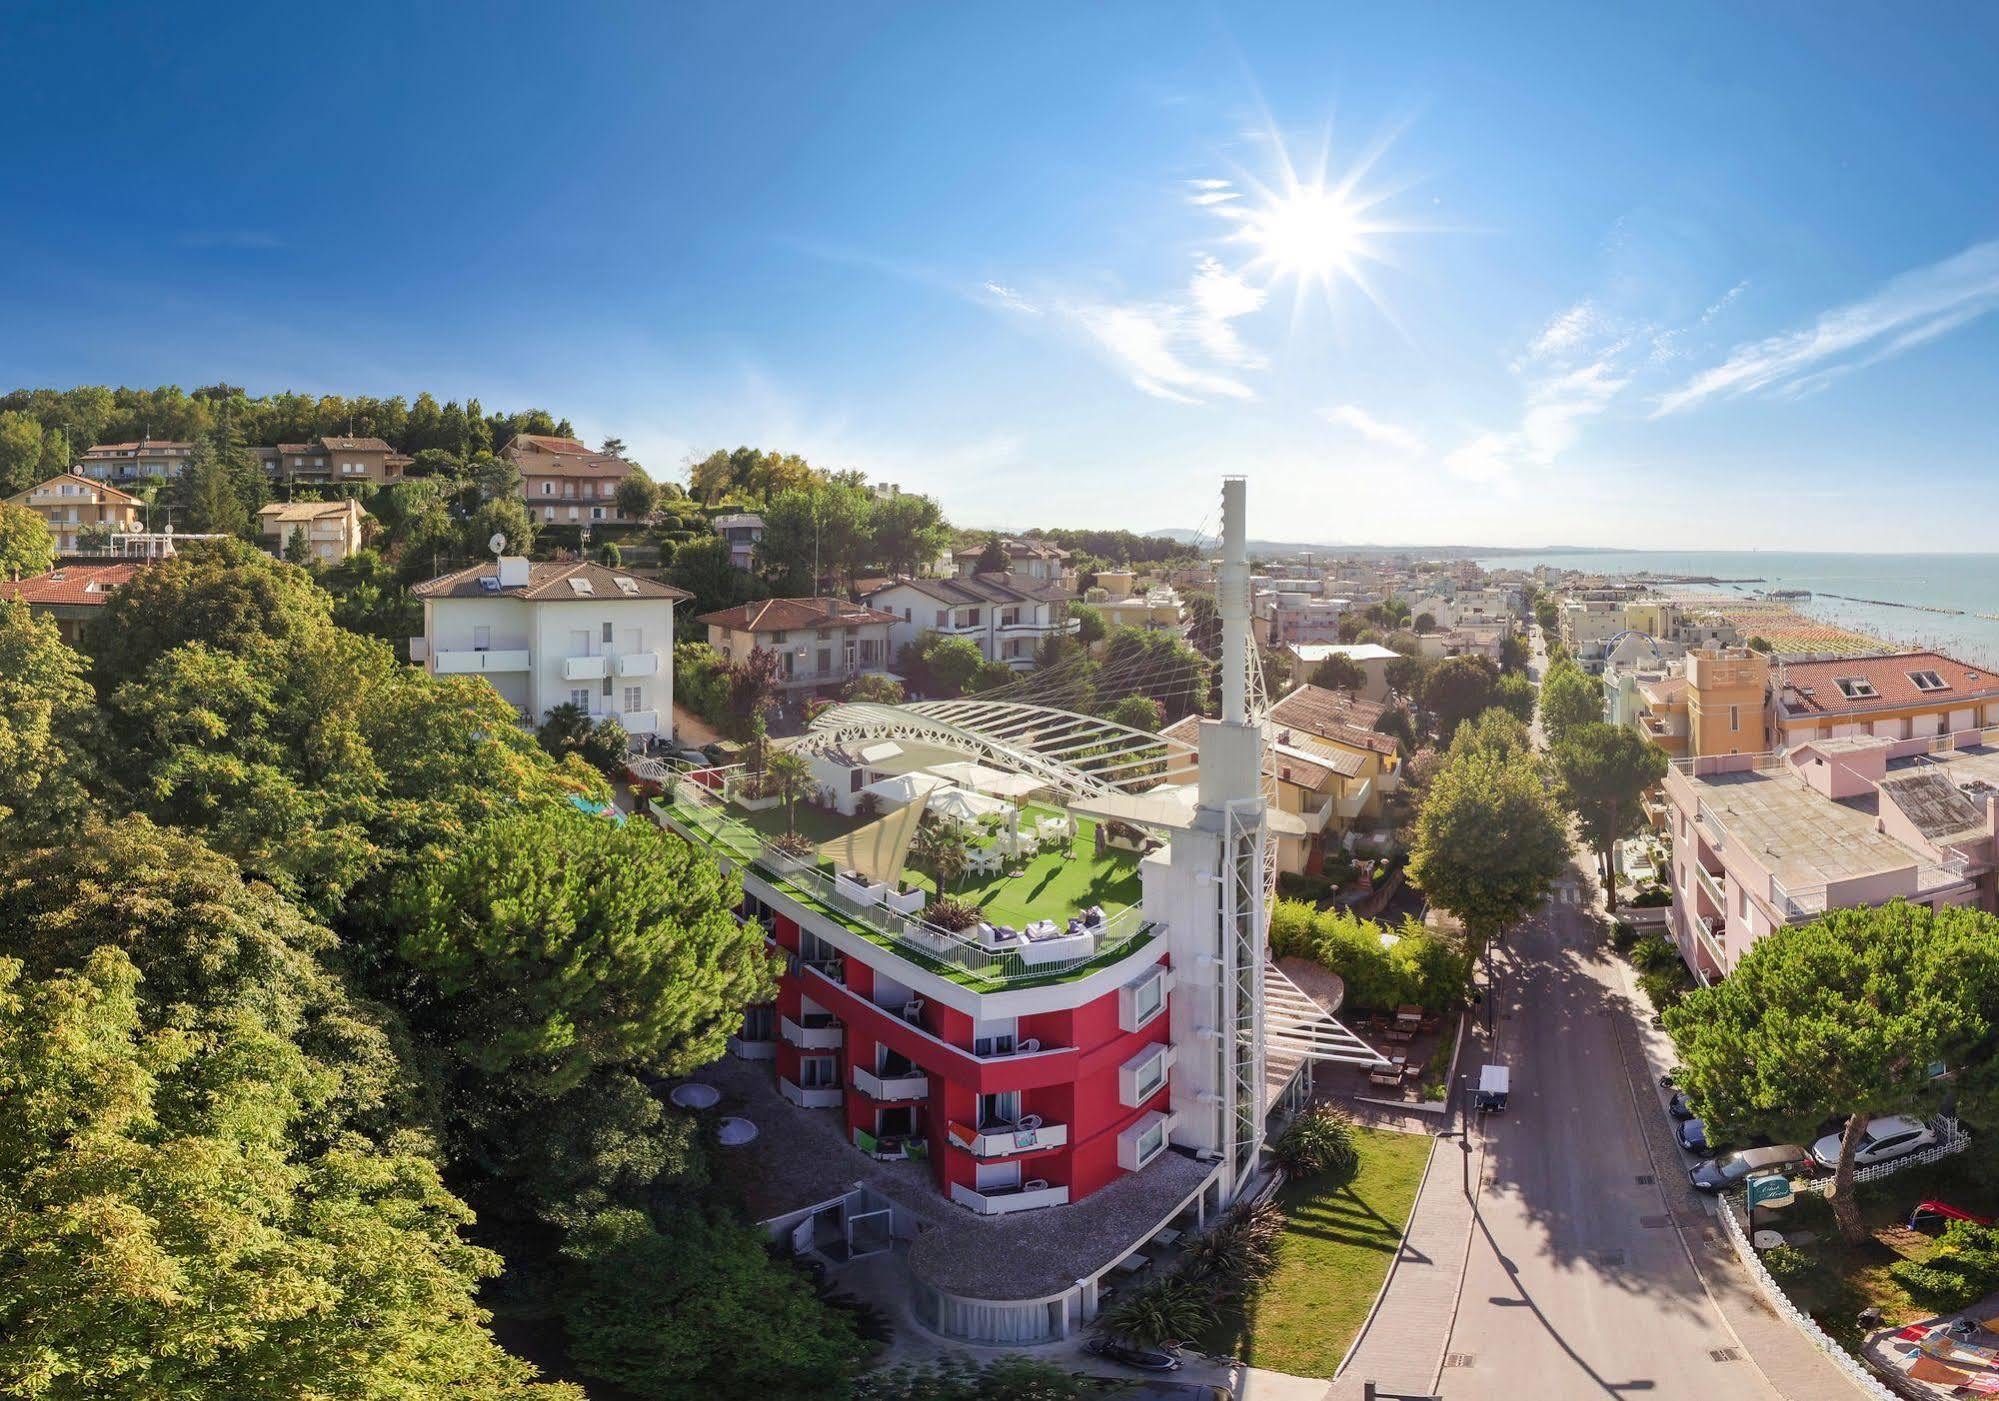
[{"x": 1913, "y": 600}]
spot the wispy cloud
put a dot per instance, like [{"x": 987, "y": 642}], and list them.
[
  {"x": 1376, "y": 431},
  {"x": 1009, "y": 298},
  {"x": 1565, "y": 332},
  {"x": 1908, "y": 311},
  {"x": 1186, "y": 348}
]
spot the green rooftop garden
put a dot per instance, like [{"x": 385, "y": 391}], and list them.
[{"x": 1048, "y": 886}]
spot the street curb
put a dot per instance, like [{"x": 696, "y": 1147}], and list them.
[{"x": 1401, "y": 1246}]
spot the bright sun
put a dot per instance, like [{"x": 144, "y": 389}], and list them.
[{"x": 1311, "y": 234}]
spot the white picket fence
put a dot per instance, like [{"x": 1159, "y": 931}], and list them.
[
  {"x": 1950, "y": 1139},
  {"x": 1856, "y": 1371}
]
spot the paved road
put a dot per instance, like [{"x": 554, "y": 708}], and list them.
[{"x": 1577, "y": 1284}]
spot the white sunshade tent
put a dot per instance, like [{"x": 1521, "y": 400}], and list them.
[
  {"x": 981, "y": 779},
  {"x": 961, "y": 805},
  {"x": 905, "y": 788}
]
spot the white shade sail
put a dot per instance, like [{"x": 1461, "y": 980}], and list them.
[{"x": 905, "y": 787}]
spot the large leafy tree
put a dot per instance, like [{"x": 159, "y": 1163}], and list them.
[
  {"x": 951, "y": 663},
  {"x": 48, "y": 728},
  {"x": 1570, "y": 697},
  {"x": 1456, "y": 689},
  {"x": 1845, "y": 1015},
  {"x": 1489, "y": 841},
  {"x": 1339, "y": 672},
  {"x": 907, "y": 532},
  {"x": 175, "y": 1226},
  {"x": 1159, "y": 664},
  {"x": 559, "y": 941},
  {"x": 1603, "y": 770},
  {"x": 693, "y": 1305},
  {"x": 822, "y": 526},
  {"x": 26, "y": 547}
]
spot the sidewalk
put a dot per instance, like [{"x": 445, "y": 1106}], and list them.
[{"x": 1401, "y": 1348}]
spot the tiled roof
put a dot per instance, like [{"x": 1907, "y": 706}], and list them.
[
  {"x": 549, "y": 582},
  {"x": 1017, "y": 549},
  {"x": 543, "y": 442},
  {"x": 1335, "y": 715},
  {"x": 71, "y": 584},
  {"x": 1888, "y": 681},
  {"x": 977, "y": 588},
  {"x": 786, "y": 614},
  {"x": 144, "y": 444},
  {"x": 308, "y": 510},
  {"x": 356, "y": 445},
  {"x": 108, "y": 495}
]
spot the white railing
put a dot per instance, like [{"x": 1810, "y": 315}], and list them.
[
  {"x": 1715, "y": 886},
  {"x": 1950, "y": 1139},
  {"x": 585, "y": 668},
  {"x": 1856, "y": 1371},
  {"x": 810, "y": 1096},
  {"x": 460, "y": 662},
  {"x": 1806, "y": 902},
  {"x": 922, "y": 940},
  {"x": 1704, "y": 930},
  {"x": 638, "y": 664},
  {"x": 1000, "y": 1201},
  {"x": 826, "y": 1037},
  {"x": 1004, "y": 1140},
  {"x": 910, "y": 1084}
]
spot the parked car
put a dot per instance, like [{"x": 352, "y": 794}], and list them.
[
  {"x": 1680, "y": 1107},
  {"x": 720, "y": 752},
  {"x": 1145, "y": 1359},
  {"x": 1886, "y": 1139},
  {"x": 688, "y": 754},
  {"x": 1729, "y": 1170},
  {"x": 1692, "y": 1134}
]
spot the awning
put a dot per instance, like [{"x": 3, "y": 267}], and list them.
[
  {"x": 904, "y": 787},
  {"x": 960, "y": 805},
  {"x": 981, "y": 779}
]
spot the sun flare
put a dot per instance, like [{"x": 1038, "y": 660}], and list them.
[{"x": 1311, "y": 233}]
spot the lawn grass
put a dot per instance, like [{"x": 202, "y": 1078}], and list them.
[
  {"x": 1048, "y": 886},
  {"x": 1336, "y": 1249}
]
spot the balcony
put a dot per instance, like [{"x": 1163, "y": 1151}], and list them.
[
  {"x": 1004, "y": 1140},
  {"x": 640, "y": 722},
  {"x": 906, "y": 1083},
  {"x": 1710, "y": 933},
  {"x": 815, "y": 1033},
  {"x": 1001, "y": 1200},
  {"x": 419, "y": 650},
  {"x": 585, "y": 668},
  {"x": 1715, "y": 884},
  {"x": 460, "y": 663},
  {"x": 638, "y": 664},
  {"x": 812, "y": 1096}
]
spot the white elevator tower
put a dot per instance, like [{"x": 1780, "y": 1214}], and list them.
[{"x": 1210, "y": 896}]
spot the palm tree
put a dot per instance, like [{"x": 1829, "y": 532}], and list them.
[
  {"x": 941, "y": 847},
  {"x": 790, "y": 774}
]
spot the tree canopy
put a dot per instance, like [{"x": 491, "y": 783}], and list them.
[
  {"x": 1603, "y": 770},
  {"x": 1456, "y": 689},
  {"x": 26, "y": 547},
  {"x": 1489, "y": 841},
  {"x": 1845, "y": 1015},
  {"x": 48, "y": 727},
  {"x": 1570, "y": 697}
]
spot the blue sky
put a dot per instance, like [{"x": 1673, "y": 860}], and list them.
[{"x": 1670, "y": 276}]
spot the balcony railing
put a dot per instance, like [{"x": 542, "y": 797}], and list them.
[
  {"x": 638, "y": 664},
  {"x": 1710, "y": 933},
  {"x": 640, "y": 722},
  {"x": 810, "y": 1096},
  {"x": 815, "y": 1035},
  {"x": 997, "y": 1201},
  {"x": 1004, "y": 1140},
  {"x": 697, "y": 813},
  {"x": 908, "y": 1084},
  {"x": 585, "y": 668},
  {"x": 1715, "y": 885},
  {"x": 458, "y": 663}
]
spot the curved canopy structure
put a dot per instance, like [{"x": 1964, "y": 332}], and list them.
[{"x": 1083, "y": 756}]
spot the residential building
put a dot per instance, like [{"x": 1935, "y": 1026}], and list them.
[
  {"x": 125, "y": 463},
  {"x": 335, "y": 460},
  {"x": 1904, "y": 695},
  {"x": 566, "y": 483},
  {"x": 1125, "y": 604},
  {"x": 1371, "y": 657},
  {"x": 742, "y": 529},
  {"x": 1761, "y": 841},
  {"x": 71, "y": 594},
  {"x": 1292, "y": 615},
  {"x": 332, "y": 529},
  {"x": 820, "y": 643},
  {"x": 1036, "y": 560},
  {"x": 1007, "y": 615},
  {"x": 1586, "y": 626},
  {"x": 548, "y": 633},
  {"x": 75, "y": 508}
]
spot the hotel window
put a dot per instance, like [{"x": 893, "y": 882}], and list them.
[
  {"x": 632, "y": 698},
  {"x": 999, "y": 1111},
  {"x": 1927, "y": 681},
  {"x": 1144, "y": 1075},
  {"x": 596, "y": 513},
  {"x": 1735, "y": 717},
  {"x": 607, "y": 634},
  {"x": 482, "y": 638},
  {"x": 817, "y": 1073},
  {"x": 1143, "y": 1141},
  {"x": 607, "y": 686},
  {"x": 548, "y": 488},
  {"x": 1142, "y": 999},
  {"x": 943, "y": 617},
  {"x": 580, "y": 698}
]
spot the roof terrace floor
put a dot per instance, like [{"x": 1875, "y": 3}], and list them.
[{"x": 1806, "y": 838}]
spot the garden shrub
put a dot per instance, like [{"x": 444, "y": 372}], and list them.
[
  {"x": 1414, "y": 966},
  {"x": 1238, "y": 1253},
  {"x": 948, "y": 913},
  {"x": 1964, "y": 1269},
  {"x": 1164, "y": 1311},
  {"x": 1787, "y": 1264},
  {"x": 1318, "y": 1142}
]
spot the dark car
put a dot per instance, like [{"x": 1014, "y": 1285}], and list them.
[
  {"x": 688, "y": 754},
  {"x": 1730, "y": 1169},
  {"x": 1692, "y": 1134},
  {"x": 1145, "y": 1359},
  {"x": 1680, "y": 1107}
]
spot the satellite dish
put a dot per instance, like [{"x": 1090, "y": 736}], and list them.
[{"x": 498, "y": 544}]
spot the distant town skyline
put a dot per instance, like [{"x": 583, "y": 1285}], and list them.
[{"x": 1695, "y": 279}]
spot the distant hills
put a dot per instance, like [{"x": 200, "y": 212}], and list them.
[{"x": 1292, "y": 547}]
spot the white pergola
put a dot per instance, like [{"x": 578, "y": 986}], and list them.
[{"x": 1081, "y": 755}]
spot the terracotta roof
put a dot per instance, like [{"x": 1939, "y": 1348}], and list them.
[
  {"x": 1335, "y": 715},
  {"x": 549, "y": 582},
  {"x": 71, "y": 584},
  {"x": 309, "y": 510},
  {"x": 152, "y": 444},
  {"x": 1293, "y": 762},
  {"x": 1814, "y": 688},
  {"x": 545, "y": 442},
  {"x": 1019, "y": 549},
  {"x": 356, "y": 445},
  {"x": 789, "y": 614},
  {"x": 111, "y": 496},
  {"x": 976, "y": 588}
]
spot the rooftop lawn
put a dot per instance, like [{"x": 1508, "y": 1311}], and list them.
[
  {"x": 1048, "y": 888},
  {"x": 1337, "y": 1245}
]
